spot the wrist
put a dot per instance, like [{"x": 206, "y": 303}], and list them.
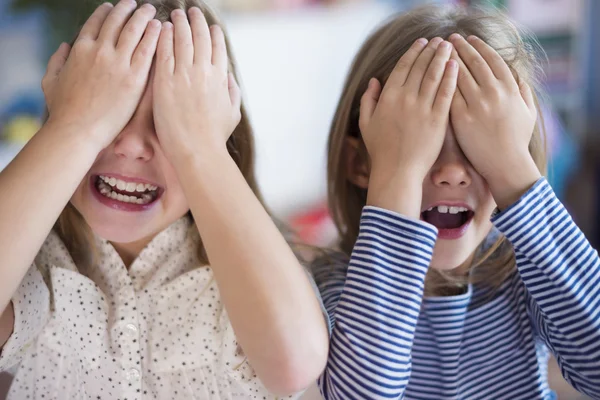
[
  {"x": 82, "y": 139},
  {"x": 202, "y": 159},
  {"x": 399, "y": 191},
  {"x": 509, "y": 187}
]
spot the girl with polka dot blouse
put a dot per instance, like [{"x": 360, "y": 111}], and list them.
[{"x": 109, "y": 216}]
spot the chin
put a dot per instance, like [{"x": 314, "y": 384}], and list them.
[
  {"x": 449, "y": 256},
  {"x": 117, "y": 231}
]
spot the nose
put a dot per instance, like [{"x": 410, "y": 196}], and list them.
[
  {"x": 137, "y": 140},
  {"x": 134, "y": 143},
  {"x": 451, "y": 169}
]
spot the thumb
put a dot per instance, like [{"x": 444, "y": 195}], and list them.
[
  {"x": 368, "y": 103},
  {"x": 58, "y": 60},
  {"x": 55, "y": 65}
]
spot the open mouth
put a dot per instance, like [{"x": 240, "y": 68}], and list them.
[
  {"x": 448, "y": 218},
  {"x": 134, "y": 193}
]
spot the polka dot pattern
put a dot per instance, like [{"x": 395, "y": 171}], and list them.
[{"x": 155, "y": 331}]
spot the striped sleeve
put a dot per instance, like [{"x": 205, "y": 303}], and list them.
[
  {"x": 377, "y": 309},
  {"x": 561, "y": 272}
]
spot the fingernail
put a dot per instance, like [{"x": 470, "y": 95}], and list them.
[
  {"x": 455, "y": 36},
  {"x": 472, "y": 37},
  {"x": 452, "y": 64},
  {"x": 167, "y": 25},
  {"x": 422, "y": 41},
  {"x": 445, "y": 45},
  {"x": 435, "y": 41},
  {"x": 177, "y": 13}
]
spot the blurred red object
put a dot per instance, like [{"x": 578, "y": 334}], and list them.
[{"x": 314, "y": 226}]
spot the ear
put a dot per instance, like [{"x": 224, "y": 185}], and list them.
[{"x": 356, "y": 162}]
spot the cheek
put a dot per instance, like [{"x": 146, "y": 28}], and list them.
[
  {"x": 175, "y": 196},
  {"x": 483, "y": 223},
  {"x": 487, "y": 204}
]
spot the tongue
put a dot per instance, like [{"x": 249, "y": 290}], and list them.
[{"x": 444, "y": 221}]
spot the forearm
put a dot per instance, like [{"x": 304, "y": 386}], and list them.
[
  {"x": 35, "y": 188},
  {"x": 268, "y": 297},
  {"x": 377, "y": 313},
  {"x": 561, "y": 272},
  {"x": 398, "y": 190}
]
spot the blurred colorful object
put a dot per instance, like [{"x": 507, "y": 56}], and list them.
[
  {"x": 21, "y": 119},
  {"x": 314, "y": 227},
  {"x": 21, "y": 129}
]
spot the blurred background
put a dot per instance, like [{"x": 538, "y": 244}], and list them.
[{"x": 293, "y": 56}]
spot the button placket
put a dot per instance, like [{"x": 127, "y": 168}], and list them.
[
  {"x": 132, "y": 375},
  {"x": 131, "y": 331},
  {"x": 130, "y": 343}
]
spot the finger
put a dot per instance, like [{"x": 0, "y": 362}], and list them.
[
  {"x": 527, "y": 95},
  {"x": 417, "y": 72},
  {"x": 492, "y": 58},
  {"x": 235, "y": 94},
  {"x": 466, "y": 83},
  {"x": 476, "y": 64},
  {"x": 219, "y": 48},
  {"x": 201, "y": 36},
  {"x": 116, "y": 20},
  {"x": 447, "y": 88},
  {"x": 458, "y": 107},
  {"x": 368, "y": 103},
  {"x": 165, "y": 56},
  {"x": 184, "y": 46},
  {"x": 135, "y": 28},
  {"x": 92, "y": 27},
  {"x": 435, "y": 72},
  {"x": 144, "y": 54},
  {"x": 404, "y": 65}
]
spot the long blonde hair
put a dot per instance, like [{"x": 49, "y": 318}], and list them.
[
  {"x": 71, "y": 226},
  {"x": 377, "y": 58}
]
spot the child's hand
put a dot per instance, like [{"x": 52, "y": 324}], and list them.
[
  {"x": 96, "y": 86},
  {"x": 493, "y": 119},
  {"x": 404, "y": 127},
  {"x": 196, "y": 101}
]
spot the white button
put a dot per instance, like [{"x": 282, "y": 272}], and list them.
[
  {"x": 132, "y": 375},
  {"x": 131, "y": 330}
]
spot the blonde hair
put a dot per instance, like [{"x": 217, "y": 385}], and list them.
[
  {"x": 377, "y": 58},
  {"x": 71, "y": 226}
]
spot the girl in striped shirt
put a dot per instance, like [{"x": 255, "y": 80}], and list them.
[{"x": 460, "y": 271}]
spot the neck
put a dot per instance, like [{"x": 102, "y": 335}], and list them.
[
  {"x": 463, "y": 269},
  {"x": 438, "y": 284},
  {"x": 130, "y": 251}
]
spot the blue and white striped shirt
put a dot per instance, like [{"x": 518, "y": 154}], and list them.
[{"x": 390, "y": 342}]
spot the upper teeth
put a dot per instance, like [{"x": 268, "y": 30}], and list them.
[
  {"x": 449, "y": 209},
  {"x": 127, "y": 186}
]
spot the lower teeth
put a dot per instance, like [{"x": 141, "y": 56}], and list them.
[{"x": 106, "y": 191}]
